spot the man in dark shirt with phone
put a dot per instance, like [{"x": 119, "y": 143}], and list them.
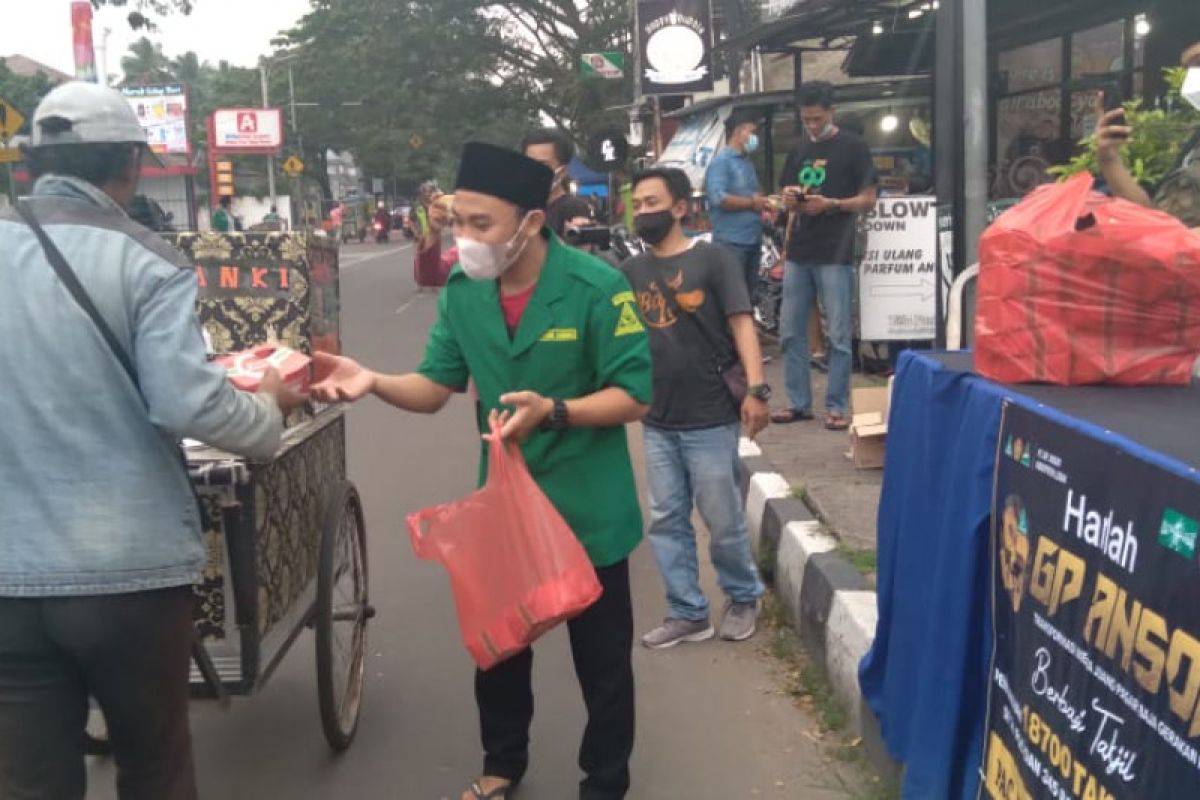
[{"x": 828, "y": 179}]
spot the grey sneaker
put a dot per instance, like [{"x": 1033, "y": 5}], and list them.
[
  {"x": 673, "y": 631},
  {"x": 740, "y": 623}
]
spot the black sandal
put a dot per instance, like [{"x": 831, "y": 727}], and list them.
[{"x": 786, "y": 416}]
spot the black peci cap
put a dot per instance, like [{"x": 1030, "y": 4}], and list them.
[{"x": 505, "y": 174}]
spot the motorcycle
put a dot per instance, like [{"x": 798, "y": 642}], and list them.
[
  {"x": 768, "y": 294},
  {"x": 381, "y": 232}
]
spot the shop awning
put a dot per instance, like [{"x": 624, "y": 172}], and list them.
[
  {"x": 848, "y": 96},
  {"x": 824, "y": 21},
  {"x": 585, "y": 175}
]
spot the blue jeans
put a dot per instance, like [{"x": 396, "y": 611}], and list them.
[
  {"x": 696, "y": 468},
  {"x": 749, "y": 258},
  {"x": 801, "y": 285}
]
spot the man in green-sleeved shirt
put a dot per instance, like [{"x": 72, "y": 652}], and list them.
[{"x": 558, "y": 352}]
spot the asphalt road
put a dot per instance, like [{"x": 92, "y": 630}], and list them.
[{"x": 711, "y": 723}]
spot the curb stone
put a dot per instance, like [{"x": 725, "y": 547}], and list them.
[{"x": 829, "y": 602}]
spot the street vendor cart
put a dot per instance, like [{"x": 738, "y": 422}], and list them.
[
  {"x": 287, "y": 550},
  {"x": 286, "y": 539}
]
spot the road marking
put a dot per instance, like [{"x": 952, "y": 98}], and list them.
[{"x": 355, "y": 259}]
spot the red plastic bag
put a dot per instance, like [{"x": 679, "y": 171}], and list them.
[
  {"x": 515, "y": 567},
  {"x": 1079, "y": 288}
]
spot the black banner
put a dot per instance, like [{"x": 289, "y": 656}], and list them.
[
  {"x": 675, "y": 44},
  {"x": 1094, "y": 690}
]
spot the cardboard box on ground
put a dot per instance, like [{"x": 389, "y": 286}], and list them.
[{"x": 869, "y": 426}]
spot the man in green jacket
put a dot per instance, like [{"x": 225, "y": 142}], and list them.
[{"x": 558, "y": 352}]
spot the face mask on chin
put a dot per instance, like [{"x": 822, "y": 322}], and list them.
[
  {"x": 482, "y": 261},
  {"x": 1191, "y": 87},
  {"x": 826, "y": 133}
]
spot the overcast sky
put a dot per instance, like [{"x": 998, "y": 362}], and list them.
[{"x": 237, "y": 31}]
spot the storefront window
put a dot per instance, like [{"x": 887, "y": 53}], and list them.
[
  {"x": 1098, "y": 51},
  {"x": 1033, "y": 129},
  {"x": 1028, "y": 141},
  {"x": 1032, "y": 66}
]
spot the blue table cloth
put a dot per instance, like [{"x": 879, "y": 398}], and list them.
[{"x": 925, "y": 677}]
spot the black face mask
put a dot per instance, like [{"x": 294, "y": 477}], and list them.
[{"x": 653, "y": 228}]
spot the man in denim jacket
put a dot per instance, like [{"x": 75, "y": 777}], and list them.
[{"x": 100, "y": 537}]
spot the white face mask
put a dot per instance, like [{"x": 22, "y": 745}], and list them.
[
  {"x": 826, "y": 133},
  {"x": 1191, "y": 87},
  {"x": 484, "y": 262}
]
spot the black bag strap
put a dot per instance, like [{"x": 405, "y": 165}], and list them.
[{"x": 71, "y": 281}]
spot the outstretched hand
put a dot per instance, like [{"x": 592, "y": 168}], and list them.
[{"x": 337, "y": 379}]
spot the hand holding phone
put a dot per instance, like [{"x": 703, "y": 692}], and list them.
[{"x": 1112, "y": 130}]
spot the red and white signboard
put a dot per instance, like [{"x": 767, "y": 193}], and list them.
[{"x": 255, "y": 131}]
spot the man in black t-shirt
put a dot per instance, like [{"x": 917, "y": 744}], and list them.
[
  {"x": 827, "y": 180},
  {"x": 697, "y": 309},
  {"x": 554, "y": 149}
]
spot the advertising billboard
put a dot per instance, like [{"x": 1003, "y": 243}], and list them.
[
  {"x": 254, "y": 131},
  {"x": 163, "y": 112}
]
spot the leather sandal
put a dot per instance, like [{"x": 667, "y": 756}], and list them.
[{"x": 786, "y": 416}]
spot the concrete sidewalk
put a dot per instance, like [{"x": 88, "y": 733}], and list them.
[
  {"x": 814, "y": 460},
  {"x": 812, "y": 519}
]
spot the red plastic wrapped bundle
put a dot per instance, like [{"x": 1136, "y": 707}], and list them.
[
  {"x": 1079, "y": 288},
  {"x": 515, "y": 567},
  {"x": 246, "y": 369}
]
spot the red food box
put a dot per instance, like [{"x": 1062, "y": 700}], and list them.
[{"x": 245, "y": 369}]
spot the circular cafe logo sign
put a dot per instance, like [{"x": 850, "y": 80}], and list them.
[{"x": 675, "y": 49}]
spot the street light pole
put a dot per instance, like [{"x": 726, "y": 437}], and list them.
[{"x": 263, "y": 73}]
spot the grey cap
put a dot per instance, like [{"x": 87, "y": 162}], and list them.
[{"x": 97, "y": 115}]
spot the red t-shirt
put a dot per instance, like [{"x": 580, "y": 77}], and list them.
[{"x": 514, "y": 306}]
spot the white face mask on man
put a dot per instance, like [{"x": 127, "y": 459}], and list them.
[
  {"x": 1191, "y": 87},
  {"x": 483, "y": 262}
]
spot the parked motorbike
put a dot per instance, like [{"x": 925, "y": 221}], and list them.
[{"x": 768, "y": 294}]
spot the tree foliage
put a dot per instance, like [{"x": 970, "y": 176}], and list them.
[
  {"x": 537, "y": 45},
  {"x": 420, "y": 74},
  {"x": 24, "y": 92},
  {"x": 142, "y": 12},
  {"x": 146, "y": 63}
]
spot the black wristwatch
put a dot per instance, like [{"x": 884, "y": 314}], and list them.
[
  {"x": 760, "y": 392},
  {"x": 559, "y": 419}
]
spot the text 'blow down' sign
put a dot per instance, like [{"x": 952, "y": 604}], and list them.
[{"x": 897, "y": 279}]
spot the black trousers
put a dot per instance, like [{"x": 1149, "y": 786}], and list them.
[
  {"x": 131, "y": 653},
  {"x": 602, "y": 645}
]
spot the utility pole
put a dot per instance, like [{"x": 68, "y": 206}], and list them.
[
  {"x": 263, "y": 72},
  {"x": 292, "y": 104}
]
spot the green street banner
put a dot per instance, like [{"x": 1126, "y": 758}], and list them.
[
  {"x": 609, "y": 65},
  {"x": 1094, "y": 687}
]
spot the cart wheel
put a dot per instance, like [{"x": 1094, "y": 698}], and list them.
[{"x": 341, "y": 616}]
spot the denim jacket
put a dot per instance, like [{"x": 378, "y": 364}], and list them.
[
  {"x": 93, "y": 499},
  {"x": 732, "y": 173}
]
